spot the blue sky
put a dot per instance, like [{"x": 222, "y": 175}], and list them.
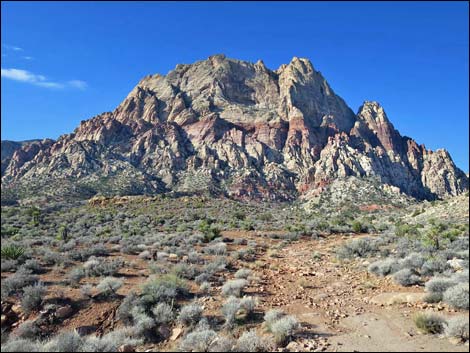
[{"x": 64, "y": 62}]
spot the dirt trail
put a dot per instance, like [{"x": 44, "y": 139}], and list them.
[{"x": 332, "y": 300}]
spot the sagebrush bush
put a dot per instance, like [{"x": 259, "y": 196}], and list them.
[
  {"x": 384, "y": 267},
  {"x": 9, "y": 265},
  {"x": 406, "y": 277},
  {"x": 222, "y": 344},
  {"x": 198, "y": 341},
  {"x": 32, "y": 298},
  {"x": 142, "y": 322},
  {"x": 357, "y": 248},
  {"x": 75, "y": 276},
  {"x": 249, "y": 341},
  {"x": 243, "y": 273},
  {"x": 458, "y": 327},
  {"x": 429, "y": 323},
  {"x": 17, "y": 281},
  {"x": 96, "y": 267},
  {"x": 439, "y": 284},
  {"x": 28, "y": 330},
  {"x": 65, "y": 342},
  {"x": 190, "y": 314},
  {"x": 163, "y": 313},
  {"x": 33, "y": 265},
  {"x": 272, "y": 316},
  {"x": 21, "y": 345},
  {"x": 234, "y": 287},
  {"x": 124, "y": 311},
  {"x": 205, "y": 288},
  {"x": 457, "y": 296},
  {"x": 109, "y": 286},
  {"x": 284, "y": 328},
  {"x": 165, "y": 288},
  {"x": 229, "y": 310},
  {"x": 110, "y": 342}
]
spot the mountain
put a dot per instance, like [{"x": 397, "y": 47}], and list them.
[{"x": 231, "y": 127}]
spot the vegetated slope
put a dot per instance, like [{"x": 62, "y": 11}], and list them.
[
  {"x": 195, "y": 273},
  {"x": 231, "y": 127}
]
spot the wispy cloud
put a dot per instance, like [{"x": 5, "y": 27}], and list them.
[
  {"x": 40, "y": 80},
  {"x": 27, "y": 57},
  {"x": 78, "y": 84},
  {"x": 12, "y": 47}
]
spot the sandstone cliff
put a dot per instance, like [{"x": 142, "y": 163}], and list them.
[{"x": 236, "y": 128}]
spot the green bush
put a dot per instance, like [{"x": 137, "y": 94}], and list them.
[
  {"x": 12, "y": 252},
  {"x": 429, "y": 323}
]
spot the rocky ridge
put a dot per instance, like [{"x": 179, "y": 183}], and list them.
[{"x": 236, "y": 128}]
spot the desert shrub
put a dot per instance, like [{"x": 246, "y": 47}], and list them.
[
  {"x": 222, "y": 344},
  {"x": 357, "y": 248},
  {"x": 95, "y": 267},
  {"x": 216, "y": 249},
  {"x": 190, "y": 314},
  {"x": 33, "y": 265},
  {"x": 163, "y": 289},
  {"x": 249, "y": 341},
  {"x": 185, "y": 271},
  {"x": 283, "y": 329},
  {"x": 272, "y": 316},
  {"x": 439, "y": 284},
  {"x": 109, "y": 286},
  {"x": 240, "y": 241},
  {"x": 52, "y": 258},
  {"x": 197, "y": 341},
  {"x": 32, "y": 298},
  {"x": 110, "y": 342},
  {"x": 434, "y": 265},
  {"x": 406, "y": 277},
  {"x": 143, "y": 323},
  {"x": 357, "y": 227},
  {"x": 205, "y": 288},
  {"x": 9, "y": 265},
  {"x": 17, "y": 281},
  {"x": 210, "y": 232},
  {"x": 413, "y": 261},
  {"x": 234, "y": 287},
  {"x": 12, "y": 252},
  {"x": 65, "y": 342},
  {"x": 457, "y": 296},
  {"x": 203, "y": 277},
  {"x": 248, "y": 305},
  {"x": 163, "y": 313},
  {"x": 243, "y": 273},
  {"x": 124, "y": 311},
  {"x": 384, "y": 267},
  {"x": 27, "y": 330},
  {"x": 458, "y": 327},
  {"x": 86, "y": 291},
  {"x": 229, "y": 310},
  {"x": 21, "y": 345},
  {"x": 432, "y": 297},
  {"x": 145, "y": 255},
  {"x": 429, "y": 323},
  {"x": 75, "y": 276}
]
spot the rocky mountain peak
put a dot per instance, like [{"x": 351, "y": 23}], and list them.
[{"x": 237, "y": 128}]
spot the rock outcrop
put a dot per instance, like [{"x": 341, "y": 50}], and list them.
[{"x": 231, "y": 127}]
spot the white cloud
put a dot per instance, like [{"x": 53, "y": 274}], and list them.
[
  {"x": 40, "y": 80},
  {"x": 78, "y": 84},
  {"x": 12, "y": 47},
  {"x": 27, "y": 57}
]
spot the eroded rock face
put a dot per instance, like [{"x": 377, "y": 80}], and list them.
[{"x": 237, "y": 128}]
